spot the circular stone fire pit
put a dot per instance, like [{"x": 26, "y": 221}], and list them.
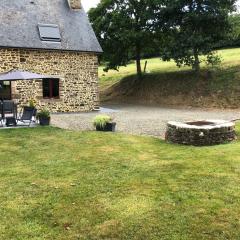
[{"x": 201, "y": 133}]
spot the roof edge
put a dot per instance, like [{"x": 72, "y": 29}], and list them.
[{"x": 53, "y": 49}]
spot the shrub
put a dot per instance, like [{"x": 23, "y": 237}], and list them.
[
  {"x": 32, "y": 103},
  {"x": 44, "y": 113},
  {"x": 213, "y": 60},
  {"x": 102, "y": 120}
]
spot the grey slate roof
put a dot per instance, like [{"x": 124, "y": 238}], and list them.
[{"x": 19, "y": 21}]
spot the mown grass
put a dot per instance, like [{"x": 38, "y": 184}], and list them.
[{"x": 57, "y": 184}]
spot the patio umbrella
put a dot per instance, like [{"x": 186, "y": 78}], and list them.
[{"x": 14, "y": 75}]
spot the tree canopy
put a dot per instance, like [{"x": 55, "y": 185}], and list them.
[
  {"x": 125, "y": 29},
  {"x": 177, "y": 29},
  {"x": 197, "y": 27},
  {"x": 233, "y": 38}
]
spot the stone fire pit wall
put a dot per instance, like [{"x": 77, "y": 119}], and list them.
[{"x": 217, "y": 132}]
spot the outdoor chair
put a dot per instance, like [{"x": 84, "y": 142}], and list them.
[
  {"x": 9, "y": 107},
  {"x": 1, "y": 116},
  {"x": 26, "y": 116},
  {"x": 1, "y": 113}
]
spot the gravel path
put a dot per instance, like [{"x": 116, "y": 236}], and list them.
[{"x": 140, "y": 120}]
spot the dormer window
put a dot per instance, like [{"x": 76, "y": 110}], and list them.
[{"x": 49, "y": 32}]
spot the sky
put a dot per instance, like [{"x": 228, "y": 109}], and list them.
[{"x": 87, "y": 4}]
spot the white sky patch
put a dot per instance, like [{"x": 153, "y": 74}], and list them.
[
  {"x": 238, "y": 4},
  {"x": 87, "y": 4}
]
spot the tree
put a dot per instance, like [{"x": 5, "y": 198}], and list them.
[
  {"x": 195, "y": 28},
  {"x": 125, "y": 29},
  {"x": 234, "y": 36}
]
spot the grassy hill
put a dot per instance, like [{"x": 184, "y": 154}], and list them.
[{"x": 166, "y": 84}]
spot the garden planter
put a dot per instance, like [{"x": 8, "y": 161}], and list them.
[
  {"x": 31, "y": 109},
  {"x": 43, "y": 121},
  {"x": 109, "y": 127}
]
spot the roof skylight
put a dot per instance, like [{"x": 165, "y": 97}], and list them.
[{"x": 49, "y": 32}]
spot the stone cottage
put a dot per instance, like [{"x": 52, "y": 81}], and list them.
[{"x": 52, "y": 38}]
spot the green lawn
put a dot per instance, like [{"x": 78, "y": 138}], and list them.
[{"x": 57, "y": 184}]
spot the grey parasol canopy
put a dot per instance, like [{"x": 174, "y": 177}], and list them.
[{"x": 15, "y": 75}]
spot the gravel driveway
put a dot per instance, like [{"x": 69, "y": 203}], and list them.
[{"x": 140, "y": 120}]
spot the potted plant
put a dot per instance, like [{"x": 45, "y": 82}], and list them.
[
  {"x": 104, "y": 123},
  {"x": 44, "y": 117},
  {"x": 32, "y": 105}
]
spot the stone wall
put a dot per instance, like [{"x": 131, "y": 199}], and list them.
[
  {"x": 200, "y": 136},
  {"x": 77, "y": 73}
]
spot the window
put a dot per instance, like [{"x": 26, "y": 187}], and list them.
[
  {"x": 49, "y": 32},
  {"x": 50, "y": 88}
]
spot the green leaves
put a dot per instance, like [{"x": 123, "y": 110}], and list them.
[
  {"x": 177, "y": 29},
  {"x": 196, "y": 29},
  {"x": 125, "y": 29},
  {"x": 101, "y": 120}
]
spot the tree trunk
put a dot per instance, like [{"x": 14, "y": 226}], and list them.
[
  {"x": 196, "y": 64},
  {"x": 138, "y": 62},
  {"x": 139, "y": 68}
]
